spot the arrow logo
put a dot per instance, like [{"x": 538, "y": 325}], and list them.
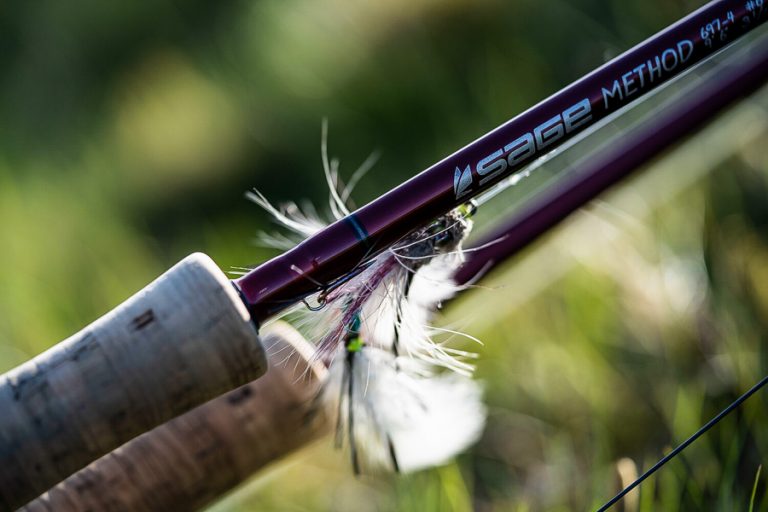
[{"x": 462, "y": 181}]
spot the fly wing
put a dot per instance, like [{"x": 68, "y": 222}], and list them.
[
  {"x": 354, "y": 394},
  {"x": 431, "y": 285},
  {"x": 403, "y": 422}
]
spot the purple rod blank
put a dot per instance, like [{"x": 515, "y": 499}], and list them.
[
  {"x": 616, "y": 162},
  {"x": 342, "y": 246}
]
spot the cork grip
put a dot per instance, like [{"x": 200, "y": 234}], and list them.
[
  {"x": 195, "y": 458},
  {"x": 179, "y": 342}
]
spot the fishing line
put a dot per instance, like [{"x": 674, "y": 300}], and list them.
[{"x": 671, "y": 455}]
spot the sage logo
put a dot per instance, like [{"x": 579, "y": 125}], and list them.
[
  {"x": 523, "y": 149},
  {"x": 462, "y": 181}
]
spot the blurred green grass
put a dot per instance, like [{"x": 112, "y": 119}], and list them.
[{"x": 129, "y": 132}]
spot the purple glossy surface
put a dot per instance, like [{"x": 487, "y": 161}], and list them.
[
  {"x": 615, "y": 163},
  {"x": 336, "y": 250}
]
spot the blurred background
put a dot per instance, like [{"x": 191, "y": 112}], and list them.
[{"x": 130, "y": 131}]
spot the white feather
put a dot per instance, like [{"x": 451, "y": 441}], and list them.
[
  {"x": 428, "y": 420},
  {"x": 396, "y": 407}
]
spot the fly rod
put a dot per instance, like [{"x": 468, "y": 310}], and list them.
[
  {"x": 188, "y": 337},
  {"x": 635, "y": 149},
  {"x": 343, "y": 246},
  {"x": 598, "y": 172}
]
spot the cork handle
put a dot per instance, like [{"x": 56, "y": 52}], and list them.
[
  {"x": 195, "y": 458},
  {"x": 179, "y": 342}
]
